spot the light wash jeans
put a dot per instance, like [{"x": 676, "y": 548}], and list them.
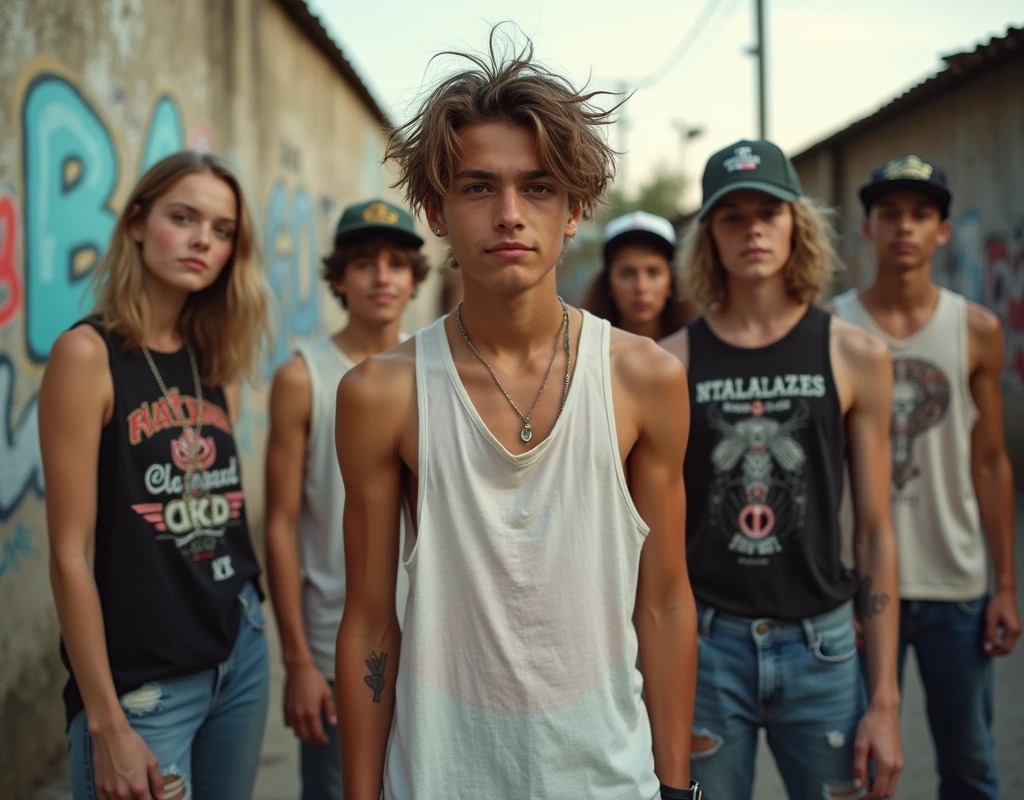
[
  {"x": 206, "y": 728},
  {"x": 799, "y": 681}
]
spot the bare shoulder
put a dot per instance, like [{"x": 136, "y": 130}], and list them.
[
  {"x": 678, "y": 344},
  {"x": 643, "y": 366},
  {"x": 982, "y": 323},
  {"x": 78, "y": 371},
  {"x": 385, "y": 382},
  {"x": 82, "y": 346},
  {"x": 858, "y": 348},
  {"x": 292, "y": 378}
]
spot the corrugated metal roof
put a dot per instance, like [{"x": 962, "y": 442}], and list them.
[
  {"x": 959, "y": 67},
  {"x": 310, "y": 24}
]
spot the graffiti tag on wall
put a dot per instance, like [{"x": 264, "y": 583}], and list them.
[
  {"x": 988, "y": 268},
  {"x": 1004, "y": 294}
]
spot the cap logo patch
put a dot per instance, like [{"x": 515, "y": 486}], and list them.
[
  {"x": 908, "y": 167},
  {"x": 378, "y": 213},
  {"x": 743, "y": 160}
]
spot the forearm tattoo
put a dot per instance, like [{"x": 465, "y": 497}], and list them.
[
  {"x": 871, "y": 605},
  {"x": 375, "y": 680}
]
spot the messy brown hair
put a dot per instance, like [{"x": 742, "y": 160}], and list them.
[
  {"x": 227, "y": 322},
  {"x": 369, "y": 246},
  {"x": 808, "y": 272},
  {"x": 505, "y": 85}
]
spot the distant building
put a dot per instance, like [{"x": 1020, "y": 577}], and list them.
[{"x": 968, "y": 117}]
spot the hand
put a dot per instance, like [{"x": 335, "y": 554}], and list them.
[
  {"x": 1002, "y": 623},
  {"x": 124, "y": 767},
  {"x": 307, "y": 699},
  {"x": 878, "y": 739}
]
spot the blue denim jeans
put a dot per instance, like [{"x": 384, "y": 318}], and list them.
[
  {"x": 320, "y": 765},
  {"x": 206, "y": 728},
  {"x": 799, "y": 681},
  {"x": 948, "y": 640}
]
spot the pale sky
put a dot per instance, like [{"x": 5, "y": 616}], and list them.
[{"x": 829, "y": 61}]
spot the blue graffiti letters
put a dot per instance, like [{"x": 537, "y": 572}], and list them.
[{"x": 70, "y": 172}]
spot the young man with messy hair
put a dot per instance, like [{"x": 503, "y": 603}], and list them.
[
  {"x": 541, "y": 453},
  {"x": 783, "y": 395},
  {"x": 374, "y": 269}
]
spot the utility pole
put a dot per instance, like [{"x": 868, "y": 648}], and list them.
[{"x": 759, "y": 51}]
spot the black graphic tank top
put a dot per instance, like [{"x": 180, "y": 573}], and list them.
[
  {"x": 170, "y": 559},
  {"x": 763, "y": 473}
]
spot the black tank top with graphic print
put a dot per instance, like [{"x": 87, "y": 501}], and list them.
[
  {"x": 170, "y": 559},
  {"x": 764, "y": 474}
]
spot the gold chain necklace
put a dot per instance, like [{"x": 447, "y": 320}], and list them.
[
  {"x": 191, "y": 434},
  {"x": 527, "y": 432}
]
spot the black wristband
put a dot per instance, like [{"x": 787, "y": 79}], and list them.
[{"x": 672, "y": 793}]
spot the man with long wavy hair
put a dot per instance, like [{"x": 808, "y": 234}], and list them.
[
  {"x": 782, "y": 393},
  {"x": 541, "y": 453}
]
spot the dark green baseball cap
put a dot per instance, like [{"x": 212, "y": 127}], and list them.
[
  {"x": 378, "y": 216},
  {"x": 749, "y": 164}
]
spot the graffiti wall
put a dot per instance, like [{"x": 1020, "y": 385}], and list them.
[
  {"x": 986, "y": 264},
  {"x": 89, "y": 99}
]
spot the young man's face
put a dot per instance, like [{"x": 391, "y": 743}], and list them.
[
  {"x": 377, "y": 287},
  {"x": 905, "y": 227},
  {"x": 506, "y": 218},
  {"x": 753, "y": 234},
  {"x": 640, "y": 282}
]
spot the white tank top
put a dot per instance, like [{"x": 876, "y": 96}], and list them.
[
  {"x": 517, "y": 675},
  {"x": 934, "y": 507},
  {"x": 321, "y": 538}
]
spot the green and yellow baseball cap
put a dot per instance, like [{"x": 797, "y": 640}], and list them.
[
  {"x": 378, "y": 216},
  {"x": 749, "y": 164}
]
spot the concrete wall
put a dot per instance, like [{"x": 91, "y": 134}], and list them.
[
  {"x": 91, "y": 93},
  {"x": 976, "y": 131}
]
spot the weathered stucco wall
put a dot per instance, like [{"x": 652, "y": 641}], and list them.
[
  {"x": 92, "y": 93},
  {"x": 975, "y": 131}
]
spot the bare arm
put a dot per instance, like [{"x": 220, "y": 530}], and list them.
[
  {"x": 666, "y": 616},
  {"x": 866, "y": 360},
  {"x": 75, "y": 400},
  {"x": 307, "y": 695},
  {"x": 993, "y": 477},
  {"x": 373, "y": 405}
]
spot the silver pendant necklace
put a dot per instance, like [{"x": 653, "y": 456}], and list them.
[{"x": 526, "y": 434}]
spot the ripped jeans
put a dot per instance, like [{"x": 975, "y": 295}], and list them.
[
  {"x": 799, "y": 681},
  {"x": 205, "y": 729}
]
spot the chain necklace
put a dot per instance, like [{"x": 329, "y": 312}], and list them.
[
  {"x": 191, "y": 435},
  {"x": 527, "y": 432}
]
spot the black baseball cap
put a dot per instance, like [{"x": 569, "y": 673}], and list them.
[
  {"x": 377, "y": 215},
  {"x": 908, "y": 172},
  {"x": 749, "y": 164}
]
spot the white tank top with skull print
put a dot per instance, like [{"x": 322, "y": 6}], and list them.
[{"x": 934, "y": 506}]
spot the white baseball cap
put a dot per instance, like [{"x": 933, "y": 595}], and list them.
[{"x": 658, "y": 229}]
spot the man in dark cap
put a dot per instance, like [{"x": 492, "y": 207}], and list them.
[
  {"x": 951, "y": 477},
  {"x": 373, "y": 271}
]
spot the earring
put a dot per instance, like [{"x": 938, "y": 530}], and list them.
[{"x": 437, "y": 232}]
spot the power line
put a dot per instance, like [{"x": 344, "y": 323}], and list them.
[{"x": 685, "y": 44}]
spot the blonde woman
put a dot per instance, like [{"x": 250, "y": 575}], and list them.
[
  {"x": 152, "y": 567},
  {"x": 782, "y": 394}
]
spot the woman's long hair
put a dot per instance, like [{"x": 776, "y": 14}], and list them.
[{"x": 225, "y": 323}]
